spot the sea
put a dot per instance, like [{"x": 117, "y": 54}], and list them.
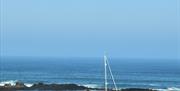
[{"x": 161, "y": 74}]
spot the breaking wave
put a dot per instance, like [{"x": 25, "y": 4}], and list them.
[
  {"x": 169, "y": 89},
  {"x": 91, "y": 85},
  {"x": 13, "y": 83}
]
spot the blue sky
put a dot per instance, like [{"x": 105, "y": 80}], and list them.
[{"x": 86, "y": 28}]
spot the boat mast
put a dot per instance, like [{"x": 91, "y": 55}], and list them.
[
  {"x": 106, "y": 63},
  {"x": 105, "y": 72},
  {"x": 111, "y": 75}
]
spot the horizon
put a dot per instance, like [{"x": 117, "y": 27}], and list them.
[{"x": 88, "y": 58}]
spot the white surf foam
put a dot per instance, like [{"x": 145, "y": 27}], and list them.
[
  {"x": 28, "y": 84},
  {"x": 169, "y": 89},
  {"x": 91, "y": 85},
  {"x": 13, "y": 83}
]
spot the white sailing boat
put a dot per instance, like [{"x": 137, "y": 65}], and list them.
[{"x": 107, "y": 69}]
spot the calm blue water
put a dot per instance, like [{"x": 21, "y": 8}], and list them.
[{"x": 90, "y": 71}]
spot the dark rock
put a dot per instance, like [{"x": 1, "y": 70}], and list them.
[
  {"x": 137, "y": 89},
  {"x": 58, "y": 87},
  {"x": 42, "y": 86},
  {"x": 7, "y": 85},
  {"x": 20, "y": 85}
]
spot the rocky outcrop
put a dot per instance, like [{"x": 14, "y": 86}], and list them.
[
  {"x": 57, "y": 87},
  {"x": 42, "y": 86},
  {"x": 20, "y": 85},
  {"x": 137, "y": 89}
]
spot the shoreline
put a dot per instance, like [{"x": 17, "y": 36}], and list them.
[
  {"x": 56, "y": 87},
  {"x": 41, "y": 86}
]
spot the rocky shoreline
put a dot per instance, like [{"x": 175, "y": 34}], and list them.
[{"x": 56, "y": 87}]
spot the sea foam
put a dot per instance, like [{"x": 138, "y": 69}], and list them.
[
  {"x": 91, "y": 85},
  {"x": 169, "y": 89},
  {"x": 13, "y": 83}
]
